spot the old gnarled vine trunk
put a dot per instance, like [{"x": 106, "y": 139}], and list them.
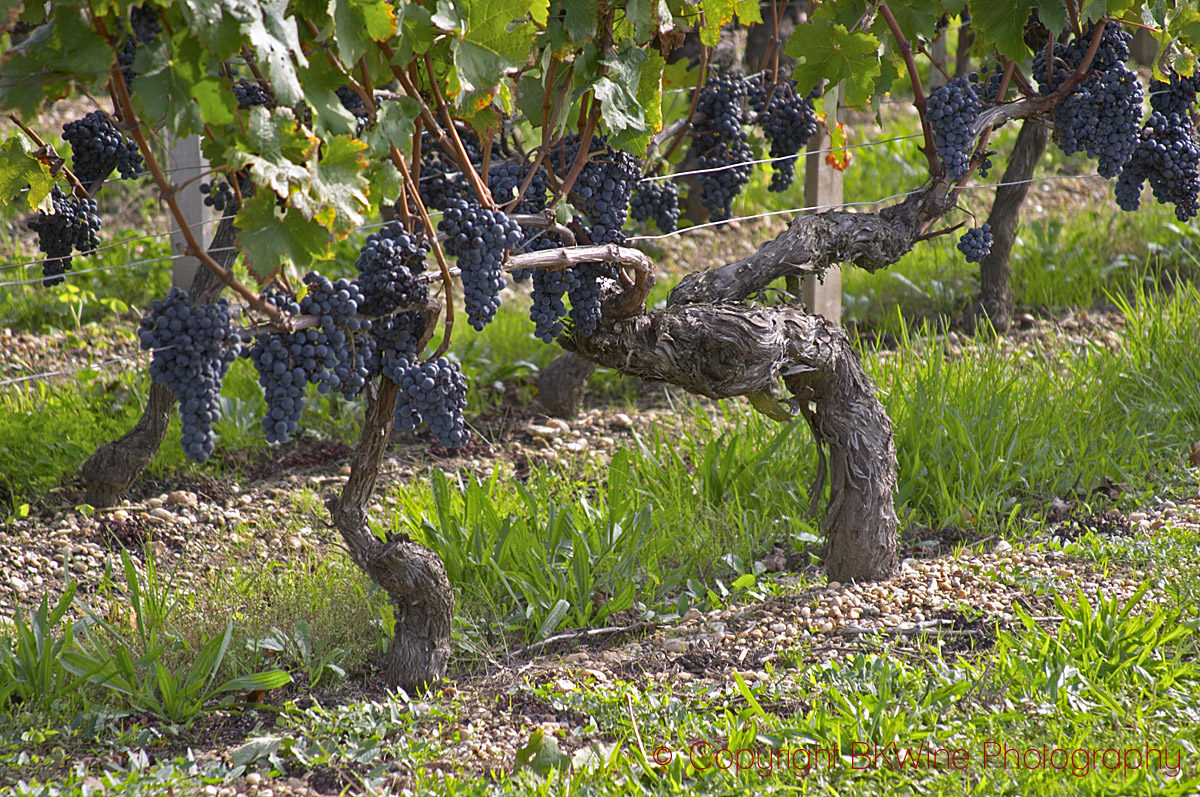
[{"x": 721, "y": 351}]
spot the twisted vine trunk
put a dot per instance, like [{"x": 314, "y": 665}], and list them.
[
  {"x": 413, "y": 576},
  {"x": 112, "y": 469},
  {"x": 995, "y": 301},
  {"x": 724, "y": 350}
]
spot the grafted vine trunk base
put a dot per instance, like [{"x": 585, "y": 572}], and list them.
[
  {"x": 413, "y": 576},
  {"x": 563, "y": 384},
  {"x": 728, "y": 350}
]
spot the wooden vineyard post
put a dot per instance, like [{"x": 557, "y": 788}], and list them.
[
  {"x": 186, "y": 162},
  {"x": 822, "y": 188}
]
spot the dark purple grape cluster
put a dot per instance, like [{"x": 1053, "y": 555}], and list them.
[
  {"x": 720, "y": 105},
  {"x": 1167, "y": 155},
  {"x": 547, "y": 309},
  {"x": 74, "y": 225},
  {"x": 505, "y": 179},
  {"x": 433, "y": 393},
  {"x": 1174, "y": 96},
  {"x": 146, "y": 26},
  {"x": 951, "y": 110},
  {"x": 441, "y": 184},
  {"x": 976, "y": 242},
  {"x": 193, "y": 347},
  {"x": 479, "y": 237},
  {"x": 602, "y": 189},
  {"x": 657, "y": 200},
  {"x": 388, "y": 265},
  {"x": 583, "y": 288},
  {"x": 720, "y": 146},
  {"x": 1102, "y": 115},
  {"x": 354, "y": 104},
  {"x": 788, "y": 122},
  {"x": 987, "y": 82},
  {"x": 727, "y": 168},
  {"x": 97, "y": 148},
  {"x": 249, "y": 94},
  {"x": 277, "y": 358},
  {"x": 220, "y": 197},
  {"x": 343, "y": 347}
]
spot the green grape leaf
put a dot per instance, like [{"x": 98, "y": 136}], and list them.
[
  {"x": 271, "y": 235},
  {"x": 167, "y": 96},
  {"x": 649, "y": 99},
  {"x": 216, "y": 102},
  {"x": 1052, "y": 14},
  {"x": 44, "y": 66},
  {"x": 579, "y": 18},
  {"x": 915, "y": 17},
  {"x": 321, "y": 82},
  {"x": 416, "y": 24},
  {"x": 335, "y": 192},
  {"x": 1093, "y": 11},
  {"x": 393, "y": 125},
  {"x": 18, "y": 169},
  {"x": 273, "y": 148},
  {"x": 717, "y": 13},
  {"x": 216, "y": 24},
  {"x": 277, "y": 41},
  {"x": 359, "y": 22},
  {"x": 384, "y": 180},
  {"x": 830, "y": 51},
  {"x": 619, "y": 106},
  {"x": 493, "y": 36},
  {"x": 749, "y": 12},
  {"x": 1004, "y": 25}
]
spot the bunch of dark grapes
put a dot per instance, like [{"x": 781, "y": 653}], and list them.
[
  {"x": 727, "y": 167},
  {"x": 1168, "y": 155},
  {"x": 193, "y": 347},
  {"x": 338, "y": 358},
  {"x": 434, "y": 393},
  {"x": 719, "y": 143},
  {"x": 505, "y": 179},
  {"x": 479, "y": 238},
  {"x": 354, "y": 104},
  {"x": 74, "y": 224},
  {"x": 547, "y": 309},
  {"x": 720, "y": 105},
  {"x": 657, "y": 200},
  {"x": 98, "y": 148},
  {"x": 987, "y": 82},
  {"x": 249, "y": 94},
  {"x": 603, "y": 186},
  {"x": 1101, "y": 116},
  {"x": 583, "y": 288},
  {"x": 1175, "y": 96},
  {"x": 788, "y": 122},
  {"x": 388, "y": 265},
  {"x": 220, "y": 197},
  {"x": 441, "y": 184},
  {"x": 145, "y": 22},
  {"x": 951, "y": 110},
  {"x": 976, "y": 242},
  {"x": 283, "y": 380},
  {"x": 146, "y": 26}
]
